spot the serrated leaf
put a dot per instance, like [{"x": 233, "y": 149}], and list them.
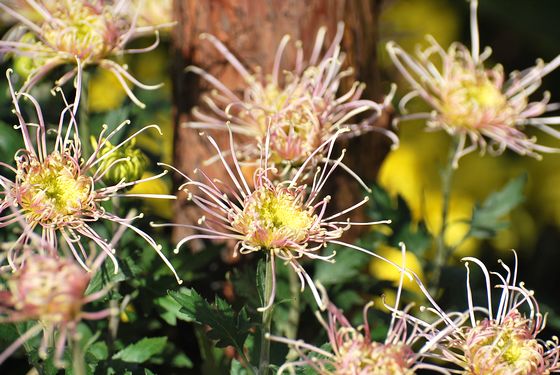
[
  {"x": 106, "y": 276},
  {"x": 348, "y": 264},
  {"x": 227, "y": 327},
  {"x": 143, "y": 350},
  {"x": 171, "y": 310},
  {"x": 486, "y": 218}
]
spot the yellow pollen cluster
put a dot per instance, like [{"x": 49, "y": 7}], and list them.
[
  {"x": 357, "y": 356},
  {"x": 78, "y": 29},
  {"x": 52, "y": 191},
  {"x": 49, "y": 289},
  {"x": 473, "y": 100},
  {"x": 274, "y": 219},
  {"x": 503, "y": 349}
]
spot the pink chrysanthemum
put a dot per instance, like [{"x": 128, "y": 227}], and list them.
[
  {"x": 353, "y": 352},
  {"x": 284, "y": 219},
  {"x": 52, "y": 291},
  {"x": 60, "y": 191},
  {"x": 298, "y": 108},
  {"x": 503, "y": 340},
  {"x": 474, "y": 103},
  {"x": 83, "y": 31}
]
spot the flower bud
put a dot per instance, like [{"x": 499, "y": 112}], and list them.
[{"x": 126, "y": 163}]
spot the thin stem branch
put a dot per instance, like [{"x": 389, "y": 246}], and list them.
[
  {"x": 264, "y": 360},
  {"x": 83, "y": 120},
  {"x": 443, "y": 251},
  {"x": 293, "y": 314}
]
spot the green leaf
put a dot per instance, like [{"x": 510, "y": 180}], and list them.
[
  {"x": 143, "y": 350},
  {"x": 486, "y": 219},
  {"x": 106, "y": 276},
  {"x": 171, "y": 310},
  {"x": 382, "y": 206},
  {"x": 181, "y": 360},
  {"x": 227, "y": 327},
  {"x": 348, "y": 264}
]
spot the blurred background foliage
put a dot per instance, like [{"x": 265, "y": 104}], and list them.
[{"x": 407, "y": 191}]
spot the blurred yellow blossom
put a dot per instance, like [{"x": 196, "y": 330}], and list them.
[
  {"x": 161, "y": 207},
  {"x": 387, "y": 272},
  {"x": 105, "y": 92},
  {"x": 162, "y": 147},
  {"x": 521, "y": 233},
  {"x": 460, "y": 210}
]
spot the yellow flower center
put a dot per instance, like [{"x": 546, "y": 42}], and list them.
[
  {"x": 79, "y": 29},
  {"x": 503, "y": 349},
  {"x": 473, "y": 100},
  {"x": 274, "y": 219},
  {"x": 52, "y": 191}
]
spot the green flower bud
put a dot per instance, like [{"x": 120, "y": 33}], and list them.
[
  {"x": 130, "y": 168},
  {"x": 25, "y": 65}
]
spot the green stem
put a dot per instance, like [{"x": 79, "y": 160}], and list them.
[
  {"x": 78, "y": 363},
  {"x": 443, "y": 251},
  {"x": 83, "y": 120},
  {"x": 205, "y": 349},
  {"x": 264, "y": 360},
  {"x": 293, "y": 314}
]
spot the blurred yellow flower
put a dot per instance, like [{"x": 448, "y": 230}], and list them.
[
  {"x": 105, "y": 92},
  {"x": 460, "y": 210},
  {"x": 521, "y": 234},
  {"x": 161, "y": 207},
  {"x": 162, "y": 147},
  {"x": 387, "y": 272},
  {"x": 401, "y": 174},
  {"x": 152, "y": 66}
]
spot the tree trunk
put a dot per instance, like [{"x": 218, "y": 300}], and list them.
[{"x": 252, "y": 29}]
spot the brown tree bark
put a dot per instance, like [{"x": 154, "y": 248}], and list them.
[{"x": 252, "y": 29}]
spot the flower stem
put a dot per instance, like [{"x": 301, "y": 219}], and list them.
[
  {"x": 443, "y": 251},
  {"x": 264, "y": 360},
  {"x": 83, "y": 120},
  {"x": 78, "y": 363},
  {"x": 293, "y": 314}
]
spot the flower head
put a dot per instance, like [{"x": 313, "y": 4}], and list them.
[
  {"x": 477, "y": 104},
  {"x": 286, "y": 219},
  {"x": 352, "y": 350},
  {"x": 500, "y": 339},
  {"x": 82, "y": 32},
  {"x": 52, "y": 291},
  {"x": 297, "y": 109},
  {"x": 60, "y": 191}
]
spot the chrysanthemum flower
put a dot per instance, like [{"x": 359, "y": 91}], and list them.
[
  {"x": 85, "y": 32},
  {"x": 500, "y": 339},
  {"x": 284, "y": 219},
  {"x": 52, "y": 291},
  {"x": 353, "y": 352},
  {"x": 477, "y": 104},
  {"x": 299, "y": 108},
  {"x": 60, "y": 191}
]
